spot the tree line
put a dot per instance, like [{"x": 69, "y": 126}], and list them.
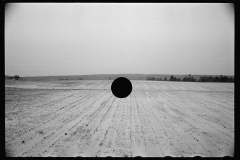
[
  {"x": 16, "y": 77},
  {"x": 216, "y": 79},
  {"x": 190, "y": 78}
]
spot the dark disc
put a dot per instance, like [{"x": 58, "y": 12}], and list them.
[{"x": 121, "y": 87}]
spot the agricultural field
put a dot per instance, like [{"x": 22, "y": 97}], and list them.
[{"x": 83, "y": 118}]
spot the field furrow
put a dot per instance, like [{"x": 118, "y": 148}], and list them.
[{"x": 84, "y": 118}]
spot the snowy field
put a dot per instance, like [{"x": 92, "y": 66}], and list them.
[{"x": 83, "y": 118}]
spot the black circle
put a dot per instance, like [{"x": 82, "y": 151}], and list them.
[
  {"x": 108, "y": 158},
  {"x": 167, "y": 158},
  {"x": 197, "y": 158},
  {"x": 121, "y": 87}
]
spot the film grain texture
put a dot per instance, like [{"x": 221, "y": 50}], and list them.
[{"x": 84, "y": 118}]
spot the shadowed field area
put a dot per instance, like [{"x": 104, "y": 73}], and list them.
[{"x": 83, "y": 118}]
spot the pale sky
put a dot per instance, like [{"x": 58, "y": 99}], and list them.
[{"x": 43, "y": 39}]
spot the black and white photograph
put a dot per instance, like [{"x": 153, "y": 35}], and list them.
[{"x": 119, "y": 79}]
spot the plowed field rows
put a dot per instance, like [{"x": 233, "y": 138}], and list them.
[{"x": 83, "y": 118}]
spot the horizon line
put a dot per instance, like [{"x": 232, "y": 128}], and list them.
[{"x": 125, "y": 74}]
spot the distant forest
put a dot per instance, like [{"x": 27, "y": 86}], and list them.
[
  {"x": 189, "y": 78},
  {"x": 16, "y": 77}
]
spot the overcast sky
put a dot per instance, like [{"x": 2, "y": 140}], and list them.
[{"x": 73, "y": 39}]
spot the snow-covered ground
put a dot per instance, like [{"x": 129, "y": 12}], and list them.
[{"x": 83, "y": 118}]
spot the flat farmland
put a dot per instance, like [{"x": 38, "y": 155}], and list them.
[{"x": 83, "y": 118}]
